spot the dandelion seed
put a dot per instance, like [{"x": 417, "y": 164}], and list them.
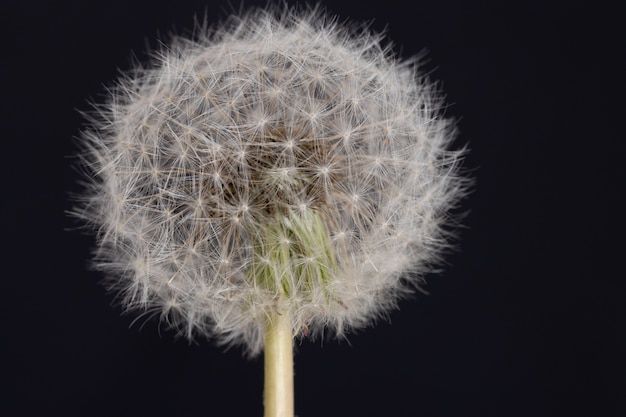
[{"x": 349, "y": 89}]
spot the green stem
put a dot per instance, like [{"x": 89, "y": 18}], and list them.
[{"x": 278, "y": 394}]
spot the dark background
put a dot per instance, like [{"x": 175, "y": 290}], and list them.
[{"x": 526, "y": 320}]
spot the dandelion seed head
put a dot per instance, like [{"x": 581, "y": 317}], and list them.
[{"x": 278, "y": 162}]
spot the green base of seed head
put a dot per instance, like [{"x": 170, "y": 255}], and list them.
[{"x": 294, "y": 256}]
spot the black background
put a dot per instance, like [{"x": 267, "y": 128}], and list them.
[{"x": 526, "y": 320}]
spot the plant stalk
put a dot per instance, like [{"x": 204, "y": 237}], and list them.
[{"x": 278, "y": 393}]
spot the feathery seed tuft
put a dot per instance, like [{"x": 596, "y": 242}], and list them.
[{"x": 276, "y": 163}]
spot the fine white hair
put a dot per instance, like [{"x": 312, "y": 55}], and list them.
[{"x": 272, "y": 125}]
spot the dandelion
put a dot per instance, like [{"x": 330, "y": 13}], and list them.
[{"x": 276, "y": 176}]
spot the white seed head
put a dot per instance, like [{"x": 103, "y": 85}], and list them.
[{"x": 276, "y": 163}]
